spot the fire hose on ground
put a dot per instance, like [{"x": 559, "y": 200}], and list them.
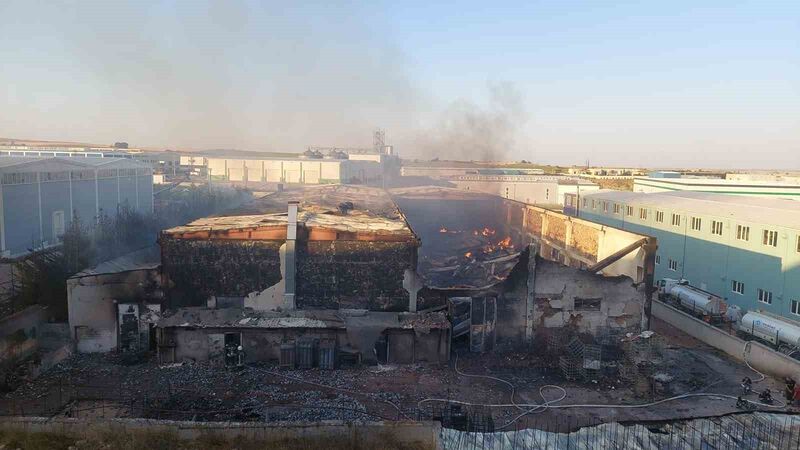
[{"x": 535, "y": 408}]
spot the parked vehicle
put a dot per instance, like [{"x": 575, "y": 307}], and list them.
[
  {"x": 695, "y": 301},
  {"x": 775, "y": 330}
]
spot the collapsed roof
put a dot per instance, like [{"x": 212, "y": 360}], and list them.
[
  {"x": 334, "y": 212},
  {"x": 467, "y": 242}
]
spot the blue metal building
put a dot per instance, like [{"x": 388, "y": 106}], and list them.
[
  {"x": 744, "y": 249},
  {"x": 40, "y": 196}
]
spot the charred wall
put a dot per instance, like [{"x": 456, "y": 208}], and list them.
[
  {"x": 354, "y": 274},
  {"x": 196, "y": 269}
]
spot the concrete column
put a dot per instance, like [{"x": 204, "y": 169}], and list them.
[
  {"x": 136, "y": 187},
  {"x": 567, "y": 242},
  {"x": 2, "y": 222},
  {"x": 291, "y": 258},
  {"x": 412, "y": 284},
  {"x": 530, "y": 302},
  {"x": 96, "y": 198},
  {"x": 118, "y": 196},
  {"x": 71, "y": 200},
  {"x": 39, "y": 193}
]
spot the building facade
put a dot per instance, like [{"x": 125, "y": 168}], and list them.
[
  {"x": 744, "y": 249},
  {"x": 530, "y": 189},
  {"x": 40, "y": 196},
  {"x": 357, "y": 169},
  {"x": 773, "y": 189}
]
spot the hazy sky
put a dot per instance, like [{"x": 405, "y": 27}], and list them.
[{"x": 661, "y": 83}]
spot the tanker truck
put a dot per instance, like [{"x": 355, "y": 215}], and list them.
[
  {"x": 695, "y": 301},
  {"x": 775, "y": 330}
]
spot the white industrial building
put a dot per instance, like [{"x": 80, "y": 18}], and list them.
[
  {"x": 357, "y": 168},
  {"x": 756, "y": 188},
  {"x": 40, "y": 196},
  {"x": 530, "y": 189}
]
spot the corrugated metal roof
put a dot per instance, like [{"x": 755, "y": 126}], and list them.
[
  {"x": 34, "y": 164},
  {"x": 770, "y": 211},
  {"x": 144, "y": 259}
]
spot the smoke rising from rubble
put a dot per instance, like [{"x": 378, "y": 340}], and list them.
[{"x": 467, "y": 131}]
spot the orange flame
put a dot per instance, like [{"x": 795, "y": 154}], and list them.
[
  {"x": 443, "y": 230},
  {"x": 468, "y": 255}
]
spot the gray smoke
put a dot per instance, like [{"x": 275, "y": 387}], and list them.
[
  {"x": 467, "y": 131},
  {"x": 262, "y": 76}
]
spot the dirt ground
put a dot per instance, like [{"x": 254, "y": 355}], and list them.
[{"x": 107, "y": 385}]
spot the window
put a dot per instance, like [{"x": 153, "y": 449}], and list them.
[
  {"x": 697, "y": 223},
  {"x": 742, "y": 233},
  {"x": 658, "y": 259},
  {"x": 676, "y": 220},
  {"x": 737, "y": 286},
  {"x": 765, "y": 296},
  {"x": 605, "y": 207},
  {"x": 798, "y": 244},
  {"x": 795, "y": 307},
  {"x": 585, "y": 202},
  {"x": 629, "y": 210},
  {"x": 716, "y": 227},
  {"x": 660, "y": 216},
  {"x": 588, "y": 304},
  {"x": 770, "y": 238},
  {"x": 643, "y": 213},
  {"x": 616, "y": 208},
  {"x": 593, "y": 206},
  {"x": 673, "y": 265}
]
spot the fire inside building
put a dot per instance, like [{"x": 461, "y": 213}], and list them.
[{"x": 332, "y": 275}]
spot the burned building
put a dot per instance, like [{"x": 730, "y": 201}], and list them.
[
  {"x": 115, "y": 305},
  {"x": 373, "y": 275},
  {"x": 331, "y": 264},
  {"x": 508, "y": 271},
  {"x": 337, "y": 247}
]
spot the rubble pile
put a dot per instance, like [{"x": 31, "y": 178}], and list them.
[{"x": 468, "y": 258}]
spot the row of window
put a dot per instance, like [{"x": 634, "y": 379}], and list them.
[
  {"x": 737, "y": 287},
  {"x": 769, "y": 237}
]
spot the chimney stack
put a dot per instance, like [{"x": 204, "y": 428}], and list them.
[{"x": 290, "y": 257}]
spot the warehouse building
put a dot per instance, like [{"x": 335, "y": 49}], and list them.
[
  {"x": 356, "y": 168},
  {"x": 744, "y": 249},
  {"x": 530, "y": 189},
  {"x": 39, "y": 196},
  {"x": 673, "y": 181}
]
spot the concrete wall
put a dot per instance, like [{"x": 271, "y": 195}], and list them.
[
  {"x": 194, "y": 270},
  {"x": 567, "y": 296},
  {"x": 20, "y": 332},
  {"x": 760, "y": 356},
  {"x": 575, "y": 242},
  {"x": 260, "y": 345},
  {"x": 92, "y": 305},
  {"x": 354, "y": 274},
  {"x": 363, "y": 435}
]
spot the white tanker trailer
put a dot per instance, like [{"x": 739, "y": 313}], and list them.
[
  {"x": 771, "y": 329},
  {"x": 696, "y": 301}
]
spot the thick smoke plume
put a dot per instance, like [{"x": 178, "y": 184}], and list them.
[{"x": 467, "y": 131}]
